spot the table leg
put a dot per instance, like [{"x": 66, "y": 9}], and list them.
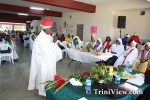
[{"x": 71, "y": 61}]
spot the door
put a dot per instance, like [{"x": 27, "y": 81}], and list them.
[{"x": 80, "y": 31}]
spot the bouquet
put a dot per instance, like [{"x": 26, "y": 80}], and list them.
[
  {"x": 100, "y": 72},
  {"x": 57, "y": 83},
  {"x": 88, "y": 47}
]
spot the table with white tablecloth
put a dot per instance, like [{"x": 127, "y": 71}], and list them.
[{"x": 86, "y": 57}]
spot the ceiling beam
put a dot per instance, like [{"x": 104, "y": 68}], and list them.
[
  {"x": 20, "y": 17},
  {"x": 11, "y": 20},
  {"x": 67, "y": 4},
  {"x": 14, "y": 8}
]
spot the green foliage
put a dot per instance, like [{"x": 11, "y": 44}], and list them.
[
  {"x": 82, "y": 79},
  {"x": 121, "y": 68},
  {"x": 88, "y": 47},
  {"x": 100, "y": 72}
]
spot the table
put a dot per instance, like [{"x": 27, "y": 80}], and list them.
[
  {"x": 86, "y": 57},
  {"x": 70, "y": 92}
]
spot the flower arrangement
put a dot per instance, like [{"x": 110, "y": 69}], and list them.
[
  {"x": 57, "y": 83},
  {"x": 100, "y": 72},
  {"x": 88, "y": 47},
  {"x": 81, "y": 77}
]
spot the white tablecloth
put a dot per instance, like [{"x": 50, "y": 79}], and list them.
[{"x": 86, "y": 57}]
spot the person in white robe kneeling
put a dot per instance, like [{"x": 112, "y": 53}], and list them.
[
  {"x": 45, "y": 54},
  {"x": 128, "y": 56}
]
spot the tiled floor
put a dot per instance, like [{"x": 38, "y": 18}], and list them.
[{"x": 14, "y": 78}]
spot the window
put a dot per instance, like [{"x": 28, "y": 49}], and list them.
[{"x": 19, "y": 27}]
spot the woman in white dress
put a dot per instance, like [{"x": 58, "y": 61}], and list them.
[{"x": 129, "y": 55}]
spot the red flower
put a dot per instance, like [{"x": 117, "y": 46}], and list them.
[
  {"x": 59, "y": 83},
  {"x": 57, "y": 77},
  {"x": 115, "y": 68},
  {"x": 85, "y": 73}
]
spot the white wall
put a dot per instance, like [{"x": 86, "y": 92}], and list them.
[
  {"x": 35, "y": 23},
  {"x": 103, "y": 18},
  {"x": 134, "y": 23}
]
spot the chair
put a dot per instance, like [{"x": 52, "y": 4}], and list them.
[
  {"x": 64, "y": 43},
  {"x": 10, "y": 55}
]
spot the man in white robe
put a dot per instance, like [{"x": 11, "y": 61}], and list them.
[
  {"x": 129, "y": 55},
  {"x": 45, "y": 54}
]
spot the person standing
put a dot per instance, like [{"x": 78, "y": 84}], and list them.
[{"x": 45, "y": 54}]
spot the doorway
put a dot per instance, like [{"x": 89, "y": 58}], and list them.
[{"x": 80, "y": 31}]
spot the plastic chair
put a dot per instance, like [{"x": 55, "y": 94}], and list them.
[
  {"x": 10, "y": 55},
  {"x": 64, "y": 43}
]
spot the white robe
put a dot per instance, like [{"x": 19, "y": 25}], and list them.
[
  {"x": 45, "y": 54},
  {"x": 31, "y": 42},
  {"x": 25, "y": 41},
  {"x": 119, "y": 49},
  {"x": 130, "y": 58}
]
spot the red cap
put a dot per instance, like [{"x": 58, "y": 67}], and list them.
[{"x": 47, "y": 22}]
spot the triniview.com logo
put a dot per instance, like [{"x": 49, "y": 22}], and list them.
[{"x": 112, "y": 91}]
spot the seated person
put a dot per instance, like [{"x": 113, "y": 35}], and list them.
[
  {"x": 75, "y": 42},
  {"x": 9, "y": 42},
  {"x": 117, "y": 49},
  {"x": 127, "y": 46},
  {"x": 141, "y": 63},
  {"x": 125, "y": 39},
  {"x": 135, "y": 38},
  {"x": 128, "y": 56},
  {"x": 107, "y": 43},
  {"x": 97, "y": 44},
  {"x": 68, "y": 38}
]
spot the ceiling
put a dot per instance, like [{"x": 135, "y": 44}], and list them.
[
  {"x": 97, "y": 2},
  {"x": 53, "y": 7},
  {"x": 30, "y": 4}
]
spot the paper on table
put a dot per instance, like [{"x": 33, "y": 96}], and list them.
[
  {"x": 83, "y": 98},
  {"x": 130, "y": 87},
  {"x": 137, "y": 81}
]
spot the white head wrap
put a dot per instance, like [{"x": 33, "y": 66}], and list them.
[
  {"x": 134, "y": 43},
  {"x": 119, "y": 39}
]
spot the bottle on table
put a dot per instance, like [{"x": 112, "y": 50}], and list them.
[
  {"x": 130, "y": 69},
  {"x": 117, "y": 79},
  {"x": 126, "y": 72},
  {"x": 88, "y": 84}
]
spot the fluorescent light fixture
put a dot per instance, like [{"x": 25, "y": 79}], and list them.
[
  {"x": 36, "y": 8},
  {"x": 23, "y": 14}
]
